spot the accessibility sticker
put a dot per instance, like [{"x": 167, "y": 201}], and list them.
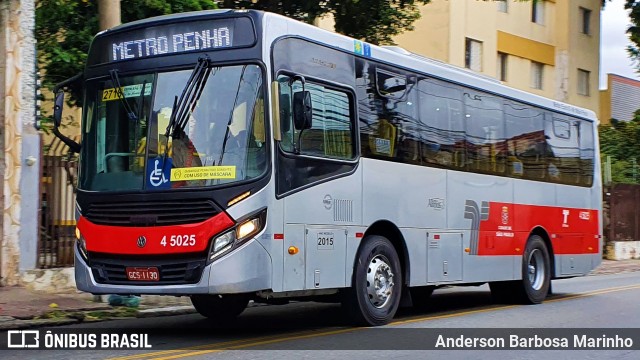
[
  {"x": 127, "y": 92},
  {"x": 203, "y": 173},
  {"x": 157, "y": 173}
]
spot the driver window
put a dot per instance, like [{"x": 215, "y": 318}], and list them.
[{"x": 331, "y": 132}]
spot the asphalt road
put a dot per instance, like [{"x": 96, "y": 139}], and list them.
[{"x": 319, "y": 331}]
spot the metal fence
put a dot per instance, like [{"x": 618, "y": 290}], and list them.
[
  {"x": 57, "y": 206},
  {"x": 624, "y": 212}
]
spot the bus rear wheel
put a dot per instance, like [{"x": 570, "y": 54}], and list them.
[
  {"x": 536, "y": 271},
  {"x": 377, "y": 283},
  {"x": 223, "y": 308},
  {"x": 536, "y": 276}
]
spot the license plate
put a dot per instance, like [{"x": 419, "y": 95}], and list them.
[{"x": 143, "y": 273}]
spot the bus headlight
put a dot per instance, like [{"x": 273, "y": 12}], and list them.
[
  {"x": 245, "y": 230},
  {"x": 222, "y": 243},
  {"x": 82, "y": 244}
]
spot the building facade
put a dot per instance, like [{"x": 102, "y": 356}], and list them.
[
  {"x": 620, "y": 99},
  {"x": 19, "y": 140},
  {"x": 550, "y": 48}
]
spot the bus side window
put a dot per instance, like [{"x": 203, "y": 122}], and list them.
[
  {"x": 564, "y": 156},
  {"x": 331, "y": 132},
  {"x": 484, "y": 131},
  {"x": 587, "y": 153},
  {"x": 441, "y": 123},
  {"x": 526, "y": 141}
]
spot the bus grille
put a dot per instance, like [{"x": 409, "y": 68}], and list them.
[
  {"x": 173, "y": 271},
  {"x": 151, "y": 213}
]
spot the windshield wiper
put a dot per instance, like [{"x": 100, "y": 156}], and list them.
[
  {"x": 184, "y": 106},
  {"x": 120, "y": 94},
  {"x": 139, "y": 116},
  {"x": 226, "y": 134}
]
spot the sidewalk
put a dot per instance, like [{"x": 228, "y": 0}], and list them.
[{"x": 21, "y": 308}]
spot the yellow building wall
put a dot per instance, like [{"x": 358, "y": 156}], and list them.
[
  {"x": 558, "y": 42},
  {"x": 432, "y": 31},
  {"x": 584, "y": 51}
]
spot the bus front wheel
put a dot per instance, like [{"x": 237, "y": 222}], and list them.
[
  {"x": 223, "y": 308},
  {"x": 377, "y": 283}
]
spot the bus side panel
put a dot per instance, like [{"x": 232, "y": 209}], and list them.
[
  {"x": 576, "y": 230},
  {"x": 322, "y": 217},
  {"x": 409, "y": 197},
  {"x": 468, "y": 205}
]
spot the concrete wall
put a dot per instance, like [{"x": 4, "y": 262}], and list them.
[{"x": 20, "y": 140}]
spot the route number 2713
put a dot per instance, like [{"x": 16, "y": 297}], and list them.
[{"x": 179, "y": 240}]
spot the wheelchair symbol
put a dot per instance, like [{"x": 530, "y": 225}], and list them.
[{"x": 157, "y": 178}]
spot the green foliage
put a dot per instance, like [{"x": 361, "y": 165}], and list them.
[
  {"x": 64, "y": 29},
  {"x": 375, "y": 21},
  {"x": 621, "y": 141},
  {"x": 633, "y": 6}
]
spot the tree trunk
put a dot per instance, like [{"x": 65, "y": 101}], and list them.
[{"x": 109, "y": 13}]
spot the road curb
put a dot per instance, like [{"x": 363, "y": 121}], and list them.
[
  {"x": 75, "y": 316},
  {"x": 167, "y": 311},
  {"x": 35, "y": 323}
]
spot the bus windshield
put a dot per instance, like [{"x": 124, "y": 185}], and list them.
[{"x": 222, "y": 141}]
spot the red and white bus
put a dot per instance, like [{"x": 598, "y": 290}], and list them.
[{"x": 233, "y": 156}]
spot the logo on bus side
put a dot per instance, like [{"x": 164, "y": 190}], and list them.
[
  {"x": 327, "y": 201},
  {"x": 505, "y": 215},
  {"x": 436, "y": 203},
  {"x": 475, "y": 214}
]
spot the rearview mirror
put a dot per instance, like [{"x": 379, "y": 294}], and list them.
[
  {"x": 302, "y": 110},
  {"x": 57, "y": 109}
]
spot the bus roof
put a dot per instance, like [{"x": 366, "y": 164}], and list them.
[
  {"x": 393, "y": 56},
  {"x": 402, "y": 58}
]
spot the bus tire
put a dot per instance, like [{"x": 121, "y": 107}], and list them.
[
  {"x": 536, "y": 271},
  {"x": 222, "y": 308},
  {"x": 374, "y": 296}
]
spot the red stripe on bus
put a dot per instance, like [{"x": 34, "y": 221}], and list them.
[
  {"x": 278, "y": 236},
  {"x": 158, "y": 239},
  {"x": 571, "y": 230}
]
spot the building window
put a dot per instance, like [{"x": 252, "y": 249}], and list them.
[
  {"x": 583, "y": 82},
  {"x": 502, "y": 66},
  {"x": 537, "y": 72},
  {"x": 473, "y": 55},
  {"x": 503, "y": 6},
  {"x": 537, "y": 12},
  {"x": 585, "y": 21}
]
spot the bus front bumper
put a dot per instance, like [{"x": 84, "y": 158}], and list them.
[{"x": 246, "y": 269}]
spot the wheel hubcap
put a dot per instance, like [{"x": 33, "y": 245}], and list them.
[
  {"x": 379, "y": 281},
  {"x": 536, "y": 269}
]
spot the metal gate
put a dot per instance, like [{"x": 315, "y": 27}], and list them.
[
  {"x": 57, "y": 206},
  {"x": 624, "y": 212}
]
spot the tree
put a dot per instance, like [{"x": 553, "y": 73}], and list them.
[
  {"x": 374, "y": 21},
  {"x": 621, "y": 141},
  {"x": 634, "y": 30},
  {"x": 64, "y": 30}
]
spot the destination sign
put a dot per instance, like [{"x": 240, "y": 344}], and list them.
[
  {"x": 173, "y": 39},
  {"x": 189, "y": 41}
]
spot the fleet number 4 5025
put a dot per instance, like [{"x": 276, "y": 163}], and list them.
[{"x": 178, "y": 240}]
